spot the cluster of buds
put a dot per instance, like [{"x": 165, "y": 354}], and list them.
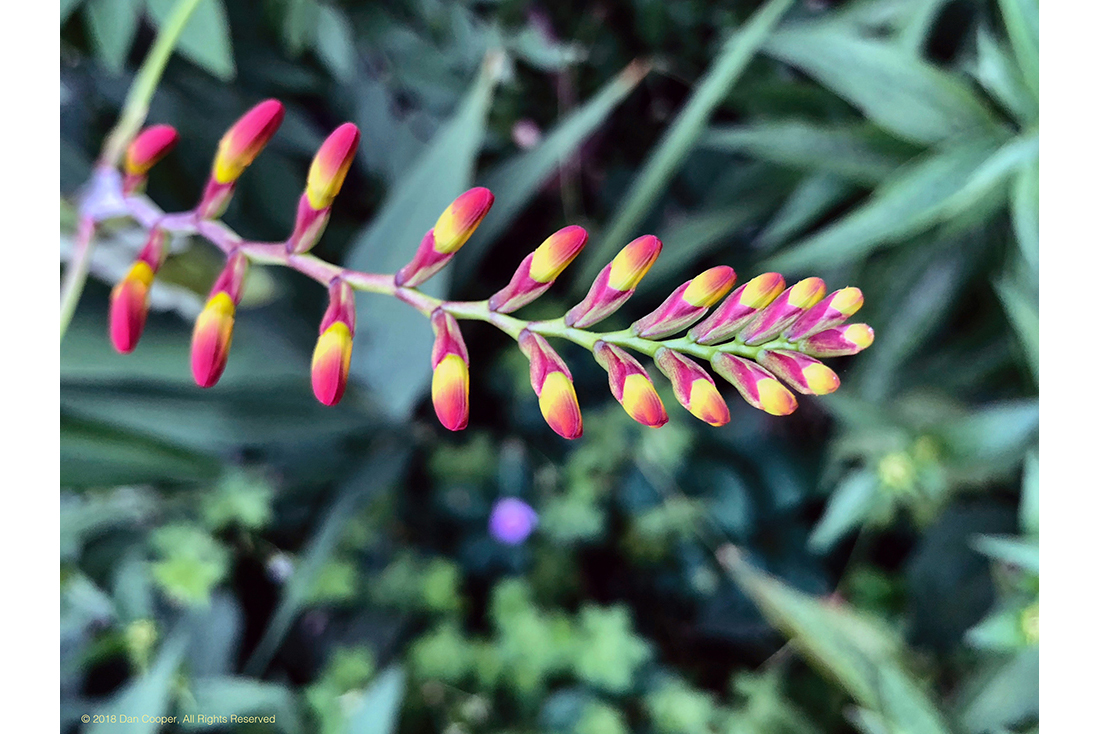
[{"x": 764, "y": 338}]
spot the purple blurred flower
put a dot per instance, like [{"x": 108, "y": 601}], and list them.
[{"x": 512, "y": 520}]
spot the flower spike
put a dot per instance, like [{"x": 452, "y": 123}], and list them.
[
  {"x": 538, "y": 270},
  {"x": 687, "y": 304},
  {"x": 838, "y": 342},
  {"x": 741, "y": 307},
  {"x": 450, "y": 373},
  {"x": 130, "y": 298},
  {"x": 238, "y": 148},
  {"x": 332, "y": 355},
  {"x": 693, "y": 387},
  {"x": 152, "y": 144},
  {"x": 615, "y": 283},
  {"x": 326, "y": 176},
  {"x": 784, "y": 311},
  {"x": 213, "y": 332},
  {"x": 553, "y": 383},
  {"x": 757, "y": 386},
  {"x": 834, "y": 310},
  {"x": 803, "y": 373},
  {"x": 631, "y": 386},
  {"x": 455, "y": 225}
]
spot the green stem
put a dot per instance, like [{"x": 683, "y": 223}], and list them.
[
  {"x": 77, "y": 272},
  {"x": 136, "y": 106},
  {"x": 130, "y": 120}
]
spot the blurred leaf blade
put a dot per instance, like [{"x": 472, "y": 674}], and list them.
[
  {"x": 665, "y": 160},
  {"x": 205, "y": 39},
  {"x": 851, "y": 648},
  {"x": 909, "y": 97},
  {"x": 380, "y": 706},
  {"x": 517, "y": 180}
]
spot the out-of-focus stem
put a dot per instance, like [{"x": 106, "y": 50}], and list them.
[
  {"x": 77, "y": 272},
  {"x": 136, "y": 106}
]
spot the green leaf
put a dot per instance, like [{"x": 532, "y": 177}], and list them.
[
  {"x": 681, "y": 137},
  {"x": 1001, "y": 630},
  {"x": 995, "y": 433},
  {"x": 1021, "y": 18},
  {"x": 378, "y": 472},
  {"x": 1006, "y": 696},
  {"x": 335, "y": 42},
  {"x": 998, "y": 73},
  {"x": 516, "y": 181},
  {"x": 907, "y": 96},
  {"x": 812, "y": 198},
  {"x": 858, "y": 153},
  {"x": 1025, "y": 213},
  {"x": 993, "y": 173},
  {"x": 694, "y": 236},
  {"x": 914, "y": 198},
  {"x": 1011, "y": 550},
  {"x": 93, "y": 454},
  {"x": 205, "y": 39},
  {"x": 230, "y": 695},
  {"x": 850, "y": 647},
  {"x": 848, "y": 507},
  {"x": 146, "y": 698},
  {"x": 398, "y": 340},
  {"x": 113, "y": 24},
  {"x": 1022, "y": 310},
  {"x": 1029, "y": 495},
  {"x": 67, "y": 8},
  {"x": 380, "y": 706}
]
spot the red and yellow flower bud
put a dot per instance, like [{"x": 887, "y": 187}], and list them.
[
  {"x": 804, "y": 374},
  {"x": 631, "y": 385},
  {"x": 784, "y": 311},
  {"x": 693, "y": 387},
  {"x": 538, "y": 270},
  {"x": 213, "y": 332},
  {"x": 454, "y": 226},
  {"x": 238, "y": 148},
  {"x": 326, "y": 176},
  {"x": 450, "y": 373},
  {"x": 152, "y": 144},
  {"x": 741, "y": 307},
  {"x": 330, "y": 165},
  {"x": 243, "y": 142},
  {"x": 687, "y": 304},
  {"x": 839, "y": 341},
  {"x": 553, "y": 383},
  {"x": 130, "y": 298},
  {"x": 615, "y": 283},
  {"x": 837, "y": 307},
  {"x": 332, "y": 355},
  {"x": 757, "y": 386}
]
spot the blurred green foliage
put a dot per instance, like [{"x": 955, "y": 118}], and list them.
[{"x": 247, "y": 551}]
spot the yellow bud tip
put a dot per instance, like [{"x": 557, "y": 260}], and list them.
[
  {"x": 211, "y": 339},
  {"x": 330, "y": 165},
  {"x": 633, "y": 262},
  {"x": 451, "y": 392},
  {"x": 762, "y": 290},
  {"x": 774, "y": 398},
  {"x": 554, "y": 255},
  {"x": 861, "y": 335},
  {"x": 820, "y": 379},
  {"x": 558, "y": 403},
  {"x": 642, "y": 403},
  {"x": 331, "y": 363},
  {"x": 847, "y": 300},
  {"x": 459, "y": 220},
  {"x": 806, "y": 293},
  {"x": 706, "y": 404},
  {"x": 709, "y": 287}
]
